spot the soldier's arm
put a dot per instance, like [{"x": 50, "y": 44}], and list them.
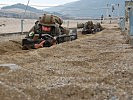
[{"x": 40, "y": 45}]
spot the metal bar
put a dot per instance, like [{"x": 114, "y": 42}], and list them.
[
  {"x": 131, "y": 22},
  {"x": 22, "y": 19},
  {"x": 122, "y": 23}
]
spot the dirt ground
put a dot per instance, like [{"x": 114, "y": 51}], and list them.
[{"x": 93, "y": 67}]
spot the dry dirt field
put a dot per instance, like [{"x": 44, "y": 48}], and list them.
[
  {"x": 10, "y": 25},
  {"x": 93, "y": 67}
]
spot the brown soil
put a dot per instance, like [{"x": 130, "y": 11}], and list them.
[{"x": 93, "y": 67}]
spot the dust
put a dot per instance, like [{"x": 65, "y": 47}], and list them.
[{"x": 10, "y": 46}]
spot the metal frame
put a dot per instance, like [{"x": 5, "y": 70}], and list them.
[
  {"x": 130, "y": 20},
  {"x": 122, "y": 23}
]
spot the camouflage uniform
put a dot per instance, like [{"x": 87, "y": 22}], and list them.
[
  {"x": 88, "y": 28},
  {"x": 47, "y": 29},
  {"x": 36, "y": 35}
]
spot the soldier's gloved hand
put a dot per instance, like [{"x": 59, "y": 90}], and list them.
[{"x": 40, "y": 45}]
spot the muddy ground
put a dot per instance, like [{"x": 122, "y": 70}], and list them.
[{"x": 93, "y": 67}]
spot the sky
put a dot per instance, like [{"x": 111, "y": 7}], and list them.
[{"x": 37, "y": 2}]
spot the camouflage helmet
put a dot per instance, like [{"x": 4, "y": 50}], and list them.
[{"x": 49, "y": 19}]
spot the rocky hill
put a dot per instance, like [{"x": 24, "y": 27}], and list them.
[
  {"x": 18, "y": 10},
  {"x": 23, "y": 7}
]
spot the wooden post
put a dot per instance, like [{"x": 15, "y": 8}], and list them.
[
  {"x": 22, "y": 23},
  {"x": 68, "y": 24}
]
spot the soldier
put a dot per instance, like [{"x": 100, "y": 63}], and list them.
[
  {"x": 101, "y": 19},
  {"x": 110, "y": 19},
  {"x": 98, "y": 27},
  {"x": 42, "y": 33},
  {"x": 88, "y": 28},
  {"x": 46, "y": 32}
]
